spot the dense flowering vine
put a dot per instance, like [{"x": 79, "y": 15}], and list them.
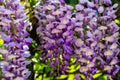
[
  {"x": 97, "y": 36},
  {"x": 88, "y": 33},
  {"x": 56, "y": 34},
  {"x": 13, "y": 31}
]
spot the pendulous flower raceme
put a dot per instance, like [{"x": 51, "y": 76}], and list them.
[
  {"x": 89, "y": 32},
  {"x": 13, "y": 31},
  {"x": 96, "y": 40},
  {"x": 56, "y": 34}
]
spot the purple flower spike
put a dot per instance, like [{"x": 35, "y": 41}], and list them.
[
  {"x": 96, "y": 39},
  {"x": 89, "y": 33},
  {"x": 56, "y": 34},
  {"x": 16, "y": 41}
]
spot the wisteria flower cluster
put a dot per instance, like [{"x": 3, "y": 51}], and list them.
[
  {"x": 56, "y": 34},
  {"x": 96, "y": 43},
  {"x": 85, "y": 33},
  {"x": 13, "y": 32},
  {"x": 88, "y": 32}
]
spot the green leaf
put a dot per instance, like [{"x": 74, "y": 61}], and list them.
[
  {"x": 72, "y": 1},
  {"x": 118, "y": 75},
  {"x": 117, "y": 21},
  {"x": 38, "y": 67},
  {"x": 48, "y": 69},
  {"x": 0, "y": 74},
  {"x": 39, "y": 78},
  {"x": 73, "y": 68},
  {"x": 1, "y": 57},
  {"x": 34, "y": 44},
  {"x": 73, "y": 59},
  {"x": 37, "y": 55},
  {"x": 61, "y": 77},
  {"x": 97, "y": 75},
  {"x": 47, "y": 79},
  {"x": 83, "y": 76},
  {"x": 71, "y": 77},
  {"x": 1, "y": 41},
  {"x": 32, "y": 2},
  {"x": 44, "y": 77},
  {"x": 104, "y": 77},
  {"x": 34, "y": 60}
]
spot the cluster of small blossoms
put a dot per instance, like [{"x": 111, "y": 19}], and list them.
[
  {"x": 56, "y": 34},
  {"x": 13, "y": 30},
  {"x": 91, "y": 34},
  {"x": 96, "y": 39}
]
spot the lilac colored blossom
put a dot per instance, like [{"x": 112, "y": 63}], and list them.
[
  {"x": 56, "y": 34},
  {"x": 101, "y": 9},
  {"x": 77, "y": 77},
  {"x": 97, "y": 36},
  {"x": 105, "y": 2},
  {"x": 91, "y": 35},
  {"x": 16, "y": 41}
]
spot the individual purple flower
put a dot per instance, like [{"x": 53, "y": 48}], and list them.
[
  {"x": 101, "y": 9},
  {"x": 77, "y": 77},
  {"x": 105, "y": 2}
]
